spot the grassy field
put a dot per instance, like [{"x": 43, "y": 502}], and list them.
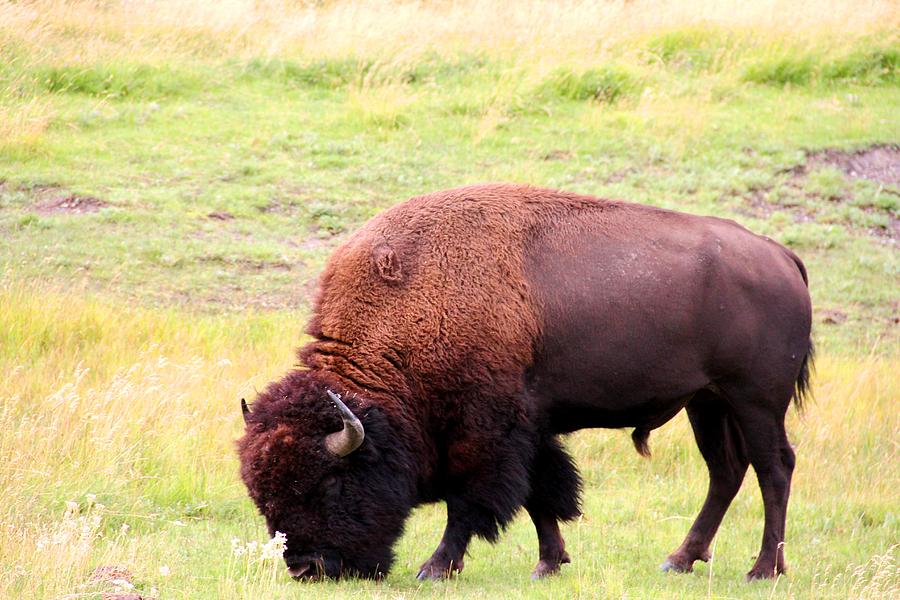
[{"x": 174, "y": 174}]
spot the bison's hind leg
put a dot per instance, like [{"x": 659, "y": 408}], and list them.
[
  {"x": 760, "y": 415},
  {"x": 722, "y": 445},
  {"x": 555, "y": 496}
]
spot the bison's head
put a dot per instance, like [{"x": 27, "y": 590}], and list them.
[{"x": 329, "y": 475}]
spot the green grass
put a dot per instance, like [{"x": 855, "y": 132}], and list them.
[
  {"x": 297, "y": 165},
  {"x": 869, "y": 66},
  {"x": 604, "y": 85},
  {"x": 118, "y": 81},
  {"x": 224, "y": 165}
]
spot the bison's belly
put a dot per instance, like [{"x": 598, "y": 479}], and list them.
[
  {"x": 625, "y": 335},
  {"x": 609, "y": 380}
]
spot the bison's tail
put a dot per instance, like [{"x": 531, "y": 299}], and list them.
[{"x": 802, "y": 389}]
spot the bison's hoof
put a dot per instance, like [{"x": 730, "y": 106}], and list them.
[
  {"x": 762, "y": 573},
  {"x": 676, "y": 566},
  {"x": 437, "y": 568},
  {"x": 547, "y": 567}
]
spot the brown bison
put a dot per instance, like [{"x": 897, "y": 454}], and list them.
[{"x": 458, "y": 334}]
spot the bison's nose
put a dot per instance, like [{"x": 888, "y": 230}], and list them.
[{"x": 306, "y": 567}]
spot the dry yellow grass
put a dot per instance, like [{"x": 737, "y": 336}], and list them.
[
  {"x": 533, "y": 30},
  {"x": 23, "y": 122},
  {"x": 100, "y": 396}
]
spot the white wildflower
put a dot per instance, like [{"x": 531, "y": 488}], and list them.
[
  {"x": 165, "y": 571},
  {"x": 178, "y": 523},
  {"x": 275, "y": 547},
  {"x": 255, "y": 551}
]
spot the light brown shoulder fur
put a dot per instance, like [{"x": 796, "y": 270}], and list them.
[{"x": 433, "y": 287}]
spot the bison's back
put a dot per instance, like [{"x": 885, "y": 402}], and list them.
[{"x": 492, "y": 285}]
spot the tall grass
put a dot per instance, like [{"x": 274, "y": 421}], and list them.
[
  {"x": 543, "y": 35},
  {"x": 594, "y": 50},
  {"x": 531, "y": 29},
  {"x": 119, "y": 402}
]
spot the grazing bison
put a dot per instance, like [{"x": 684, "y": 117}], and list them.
[{"x": 458, "y": 334}]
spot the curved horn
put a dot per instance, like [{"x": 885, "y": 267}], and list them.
[
  {"x": 244, "y": 410},
  {"x": 343, "y": 442}
]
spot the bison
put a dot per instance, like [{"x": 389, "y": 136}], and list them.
[{"x": 457, "y": 335}]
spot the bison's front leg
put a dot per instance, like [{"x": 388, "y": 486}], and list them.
[
  {"x": 551, "y": 546},
  {"x": 554, "y": 497},
  {"x": 487, "y": 483},
  {"x": 448, "y": 559}
]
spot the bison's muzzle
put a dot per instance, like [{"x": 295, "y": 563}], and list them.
[{"x": 309, "y": 567}]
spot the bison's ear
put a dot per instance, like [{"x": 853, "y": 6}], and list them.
[{"x": 386, "y": 263}]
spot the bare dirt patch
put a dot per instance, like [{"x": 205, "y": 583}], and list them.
[
  {"x": 220, "y": 215},
  {"x": 880, "y": 162},
  {"x": 288, "y": 208},
  {"x": 315, "y": 242},
  {"x": 50, "y": 199},
  {"x": 832, "y": 316},
  {"x": 619, "y": 175},
  {"x": 558, "y": 155},
  {"x": 71, "y": 204},
  {"x": 247, "y": 264},
  {"x": 46, "y": 199},
  {"x": 756, "y": 204}
]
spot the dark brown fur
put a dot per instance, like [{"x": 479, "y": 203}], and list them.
[{"x": 468, "y": 328}]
